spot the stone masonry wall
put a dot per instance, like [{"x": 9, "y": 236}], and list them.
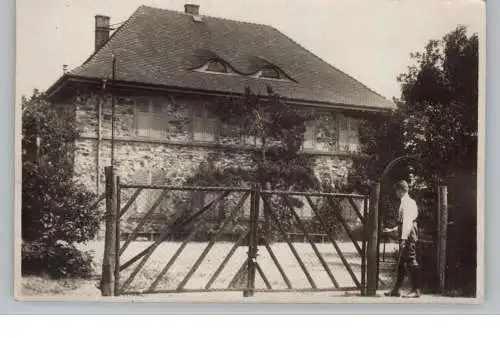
[{"x": 176, "y": 157}]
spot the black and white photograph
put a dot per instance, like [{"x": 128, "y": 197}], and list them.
[{"x": 280, "y": 151}]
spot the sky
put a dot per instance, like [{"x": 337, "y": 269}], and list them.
[{"x": 370, "y": 40}]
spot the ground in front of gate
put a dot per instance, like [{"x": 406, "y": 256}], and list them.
[{"x": 39, "y": 287}]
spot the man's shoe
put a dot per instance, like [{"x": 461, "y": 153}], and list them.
[
  {"x": 393, "y": 294},
  {"x": 413, "y": 294}
]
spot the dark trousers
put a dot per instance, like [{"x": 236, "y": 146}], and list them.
[{"x": 408, "y": 260}]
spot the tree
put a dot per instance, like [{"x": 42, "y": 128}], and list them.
[
  {"x": 274, "y": 134},
  {"x": 438, "y": 114},
  {"x": 56, "y": 211},
  {"x": 440, "y": 105}
]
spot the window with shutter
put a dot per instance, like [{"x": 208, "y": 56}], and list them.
[
  {"x": 204, "y": 126},
  {"x": 142, "y": 116},
  {"x": 348, "y": 134},
  {"x": 343, "y": 133},
  {"x": 310, "y": 136},
  {"x": 151, "y": 119},
  {"x": 353, "y": 135}
]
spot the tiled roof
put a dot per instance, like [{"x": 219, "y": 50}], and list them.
[{"x": 161, "y": 47}]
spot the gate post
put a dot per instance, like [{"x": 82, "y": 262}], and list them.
[
  {"x": 252, "y": 240},
  {"x": 442, "y": 235},
  {"x": 372, "y": 249},
  {"x": 108, "y": 263},
  {"x": 117, "y": 204}
]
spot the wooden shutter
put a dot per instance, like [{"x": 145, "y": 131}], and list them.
[
  {"x": 343, "y": 133},
  {"x": 197, "y": 129},
  {"x": 209, "y": 130},
  {"x": 142, "y": 111},
  {"x": 158, "y": 127},
  {"x": 204, "y": 129},
  {"x": 353, "y": 134},
  {"x": 310, "y": 136}
]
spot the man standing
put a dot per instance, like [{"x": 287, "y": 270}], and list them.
[{"x": 408, "y": 236}]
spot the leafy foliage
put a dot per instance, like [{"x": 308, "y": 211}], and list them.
[
  {"x": 440, "y": 96},
  {"x": 278, "y": 132},
  {"x": 56, "y": 211},
  {"x": 436, "y": 117}
]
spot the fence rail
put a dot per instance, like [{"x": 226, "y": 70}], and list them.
[{"x": 270, "y": 213}]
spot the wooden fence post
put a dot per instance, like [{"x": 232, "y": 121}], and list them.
[
  {"x": 363, "y": 246},
  {"x": 117, "y": 236},
  {"x": 372, "y": 248},
  {"x": 108, "y": 263},
  {"x": 442, "y": 235},
  {"x": 252, "y": 240}
]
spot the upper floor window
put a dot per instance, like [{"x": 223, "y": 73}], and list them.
[
  {"x": 310, "y": 136},
  {"x": 348, "y": 134},
  {"x": 151, "y": 120},
  {"x": 343, "y": 134},
  {"x": 204, "y": 126}
]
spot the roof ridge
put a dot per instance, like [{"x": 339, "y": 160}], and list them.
[
  {"x": 332, "y": 66},
  {"x": 207, "y": 16}
]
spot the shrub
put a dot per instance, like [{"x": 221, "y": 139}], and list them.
[
  {"x": 57, "y": 260},
  {"x": 56, "y": 211}
]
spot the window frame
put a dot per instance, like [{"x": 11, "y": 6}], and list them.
[
  {"x": 314, "y": 125},
  {"x": 278, "y": 76},
  {"x": 205, "y": 117},
  {"x": 154, "y": 119},
  {"x": 217, "y": 62},
  {"x": 347, "y": 146}
]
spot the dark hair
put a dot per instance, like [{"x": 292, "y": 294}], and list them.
[{"x": 402, "y": 185}]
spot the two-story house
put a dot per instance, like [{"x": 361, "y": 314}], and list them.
[{"x": 168, "y": 64}]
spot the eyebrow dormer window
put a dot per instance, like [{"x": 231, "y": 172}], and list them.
[
  {"x": 216, "y": 66},
  {"x": 270, "y": 73}
]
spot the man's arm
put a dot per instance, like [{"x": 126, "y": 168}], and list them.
[{"x": 387, "y": 230}]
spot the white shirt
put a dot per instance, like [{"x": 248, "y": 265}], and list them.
[{"x": 408, "y": 213}]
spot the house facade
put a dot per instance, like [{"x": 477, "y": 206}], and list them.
[{"x": 164, "y": 68}]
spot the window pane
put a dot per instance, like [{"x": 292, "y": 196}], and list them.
[
  {"x": 198, "y": 129},
  {"x": 158, "y": 126},
  {"x": 270, "y": 73},
  {"x": 216, "y": 66},
  {"x": 353, "y": 134},
  {"x": 143, "y": 124},
  {"x": 204, "y": 129},
  {"x": 310, "y": 136},
  {"x": 344, "y": 133},
  {"x": 209, "y": 130}
]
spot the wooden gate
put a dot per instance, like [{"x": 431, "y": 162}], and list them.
[{"x": 217, "y": 239}]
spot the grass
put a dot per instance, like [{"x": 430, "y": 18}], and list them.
[
  {"x": 36, "y": 286},
  {"x": 41, "y": 286}
]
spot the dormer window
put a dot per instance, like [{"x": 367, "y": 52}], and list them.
[
  {"x": 270, "y": 73},
  {"x": 216, "y": 66}
]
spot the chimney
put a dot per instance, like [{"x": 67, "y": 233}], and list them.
[
  {"x": 192, "y": 9},
  {"x": 102, "y": 30}
]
